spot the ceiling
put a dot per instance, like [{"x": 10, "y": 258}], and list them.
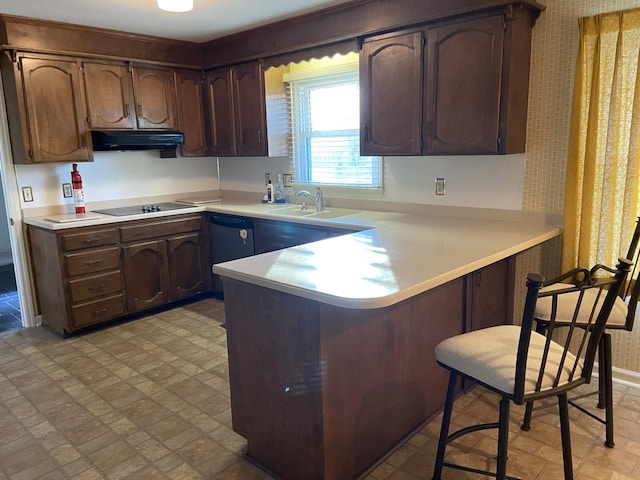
[{"x": 209, "y": 19}]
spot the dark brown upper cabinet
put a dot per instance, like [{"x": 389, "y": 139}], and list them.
[
  {"x": 463, "y": 84},
  {"x": 250, "y": 115},
  {"x": 220, "y": 111},
  {"x": 109, "y": 95},
  {"x": 237, "y": 112},
  {"x": 453, "y": 88},
  {"x": 190, "y": 112},
  {"x": 390, "y": 83},
  {"x": 46, "y": 109},
  {"x": 154, "y": 91},
  {"x": 123, "y": 97}
]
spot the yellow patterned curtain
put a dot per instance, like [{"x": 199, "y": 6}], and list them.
[{"x": 601, "y": 194}]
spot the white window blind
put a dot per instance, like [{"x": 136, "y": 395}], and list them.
[{"x": 325, "y": 115}]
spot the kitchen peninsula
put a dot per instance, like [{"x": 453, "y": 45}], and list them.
[{"x": 331, "y": 343}]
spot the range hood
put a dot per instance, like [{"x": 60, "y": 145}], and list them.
[{"x": 110, "y": 140}]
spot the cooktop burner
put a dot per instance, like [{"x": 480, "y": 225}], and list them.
[{"x": 137, "y": 209}]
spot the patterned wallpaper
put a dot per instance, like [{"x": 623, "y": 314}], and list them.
[{"x": 554, "y": 50}]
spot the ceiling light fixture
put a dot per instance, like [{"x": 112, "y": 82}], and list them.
[{"x": 176, "y": 5}]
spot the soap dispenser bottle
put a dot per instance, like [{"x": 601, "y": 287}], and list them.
[{"x": 269, "y": 192}]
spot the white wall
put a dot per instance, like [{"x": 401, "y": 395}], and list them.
[
  {"x": 471, "y": 181},
  {"x": 495, "y": 181},
  {"x": 118, "y": 175}
]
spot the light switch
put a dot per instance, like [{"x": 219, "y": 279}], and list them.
[{"x": 27, "y": 194}]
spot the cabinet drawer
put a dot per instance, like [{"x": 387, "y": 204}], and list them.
[
  {"x": 96, "y": 286},
  {"x": 96, "y": 238},
  {"x": 92, "y": 262},
  {"x": 160, "y": 229},
  {"x": 98, "y": 311}
]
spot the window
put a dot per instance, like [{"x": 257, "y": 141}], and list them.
[{"x": 325, "y": 116}]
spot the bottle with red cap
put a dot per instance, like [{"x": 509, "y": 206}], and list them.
[{"x": 78, "y": 193}]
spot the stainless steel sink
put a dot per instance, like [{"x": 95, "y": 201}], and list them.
[{"x": 296, "y": 211}]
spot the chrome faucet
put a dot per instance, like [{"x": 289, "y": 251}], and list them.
[{"x": 318, "y": 199}]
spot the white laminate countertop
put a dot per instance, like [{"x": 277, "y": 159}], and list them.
[
  {"x": 390, "y": 257},
  {"x": 400, "y": 256}
]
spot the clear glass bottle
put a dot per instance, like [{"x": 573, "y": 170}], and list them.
[{"x": 279, "y": 191}]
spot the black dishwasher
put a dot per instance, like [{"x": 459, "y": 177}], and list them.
[{"x": 231, "y": 238}]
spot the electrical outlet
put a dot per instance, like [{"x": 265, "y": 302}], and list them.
[
  {"x": 66, "y": 190},
  {"x": 267, "y": 177},
  {"x": 439, "y": 186},
  {"x": 287, "y": 179},
  {"x": 27, "y": 194}
]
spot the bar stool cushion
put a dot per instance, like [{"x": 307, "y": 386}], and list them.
[
  {"x": 567, "y": 305},
  {"x": 489, "y": 356}
]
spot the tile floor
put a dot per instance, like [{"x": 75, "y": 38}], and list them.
[
  {"x": 149, "y": 399},
  {"x": 9, "y": 304}
]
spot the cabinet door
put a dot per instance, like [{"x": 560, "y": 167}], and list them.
[
  {"x": 186, "y": 272},
  {"x": 250, "y": 110},
  {"x": 190, "y": 110},
  {"x": 154, "y": 92},
  {"x": 55, "y": 110},
  {"x": 464, "y": 71},
  {"x": 109, "y": 95},
  {"x": 489, "y": 296},
  {"x": 274, "y": 235},
  {"x": 220, "y": 111},
  {"x": 146, "y": 274},
  {"x": 391, "y": 95}
]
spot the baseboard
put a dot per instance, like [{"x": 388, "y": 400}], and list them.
[
  {"x": 626, "y": 377},
  {"x": 621, "y": 376}
]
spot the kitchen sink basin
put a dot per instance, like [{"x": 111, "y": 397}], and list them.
[{"x": 296, "y": 211}]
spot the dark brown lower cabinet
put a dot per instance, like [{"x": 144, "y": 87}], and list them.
[
  {"x": 322, "y": 392},
  {"x": 161, "y": 271},
  {"x": 90, "y": 275},
  {"x": 339, "y": 388},
  {"x": 270, "y": 235},
  {"x": 489, "y": 299},
  {"x": 186, "y": 260},
  {"x": 146, "y": 274}
]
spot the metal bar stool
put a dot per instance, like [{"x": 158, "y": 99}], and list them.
[
  {"x": 522, "y": 365},
  {"x": 622, "y": 317}
]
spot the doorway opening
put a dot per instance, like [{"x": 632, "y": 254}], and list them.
[{"x": 10, "y": 318}]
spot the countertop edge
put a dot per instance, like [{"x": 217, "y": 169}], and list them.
[
  {"x": 103, "y": 219},
  {"x": 389, "y": 300}
]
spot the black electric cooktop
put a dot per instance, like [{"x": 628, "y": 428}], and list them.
[{"x": 137, "y": 209}]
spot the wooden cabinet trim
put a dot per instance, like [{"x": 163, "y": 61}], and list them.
[
  {"x": 353, "y": 20},
  {"x": 45, "y": 36},
  {"x": 130, "y": 233}
]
